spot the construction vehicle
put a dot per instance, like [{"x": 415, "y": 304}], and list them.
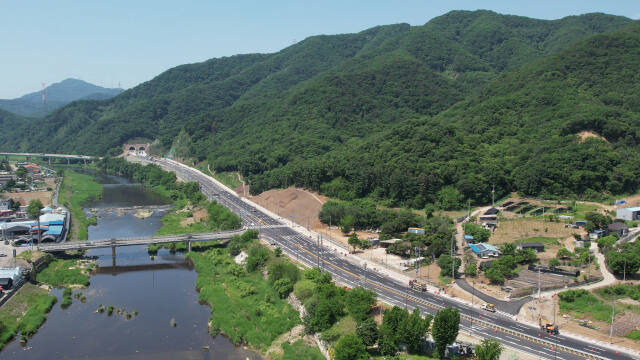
[
  {"x": 588, "y": 324},
  {"x": 489, "y": 307},
  {"x": 417, "y": 285},
  {"x": 551, "y": 329}
]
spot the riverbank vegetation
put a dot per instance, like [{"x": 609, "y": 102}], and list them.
[
  {"x": 244, "y": 306},
  {"x": 66, "y": 272},
  {"x": 76, "y": 191},
  {"x": 217, "y": 218},
  {"x": 24, "y": 313}
]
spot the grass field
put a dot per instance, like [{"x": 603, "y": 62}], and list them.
[
  {"x": 244, "y": 308},
  {"x": 75, "y": 192},
  {"x": 586, "y": 304},
  {"x": 62, "y": 273},
  {"x": 299, "y": 350},
  {"x": 230, "y": 179},
  {"x": 24, "y": 312}
]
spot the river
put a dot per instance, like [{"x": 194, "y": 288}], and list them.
[{"x": 161, "y": 289}]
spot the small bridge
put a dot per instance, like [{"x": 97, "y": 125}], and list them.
[
  {"x": 113, "y": 243},
  {"x": 50, "y": 156}
]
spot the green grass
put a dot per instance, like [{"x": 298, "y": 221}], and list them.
[
  {"x": 62, "y": 273},
  {"x": 620, "y": 291},
  {"x": 256, "y": 317},
  {"x": 75, "y": 192},
  {"x": 219, "y": 218},
  {"x": 344, "y": 326},
  {"x": 24, "y": 312},
  {"x": 634, "y": 335},
  {"x": 299, "y": 350},
  {"x": 587, "y": 305},
  {"x": 230, "y": 179}
]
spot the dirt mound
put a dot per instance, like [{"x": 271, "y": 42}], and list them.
[{"x": 303, "y": 205}]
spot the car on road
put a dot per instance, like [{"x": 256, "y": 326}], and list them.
[
  {"x": 489, "y": 307},
  {"x": 3, "y": 255}
]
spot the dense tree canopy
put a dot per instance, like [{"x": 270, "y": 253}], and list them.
[{"x": 414, "y": 115}]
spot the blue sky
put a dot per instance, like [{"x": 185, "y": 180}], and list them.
[{"x": 105, "y": 42}]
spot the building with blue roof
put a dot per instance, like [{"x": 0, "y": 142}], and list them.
[{"x": 484, "y": 250}]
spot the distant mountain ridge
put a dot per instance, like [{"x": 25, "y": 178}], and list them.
[
  {"x": 394, "y": 112},
  {"x": 57, "y": 95}
]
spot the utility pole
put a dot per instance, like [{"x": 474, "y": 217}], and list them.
[
  {"x": 493, "y": 195},
  {"x": 613, "y": 310},
  {"x": 468, "y": 208}
]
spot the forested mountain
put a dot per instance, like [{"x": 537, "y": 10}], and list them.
[
  {"x": 568, "y": 125},
  {"x": 393, "y": 112},
  {"x": 57, "y": 95}
]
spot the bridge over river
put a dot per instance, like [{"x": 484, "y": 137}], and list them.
[{"x": 50, "y": 156}]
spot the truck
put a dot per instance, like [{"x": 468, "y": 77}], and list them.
[
  {"x": 489, "y": 307},
  {"x": 417, "y": 285}
]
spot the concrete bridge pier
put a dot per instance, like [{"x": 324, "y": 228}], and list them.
[
  {"x": 113, "y": 256},
  {"x": 68, "y": 161},
  {"x": 188, "y": 245},
  {"x": 49, "y": 161},
  {"x": 85, "y": 161},
  {"x": 28, "y": 158}
]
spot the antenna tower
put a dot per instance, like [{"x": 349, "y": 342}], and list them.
[
  {"x": 44, "y": 94},
  {"x": 119, "y": 88}
]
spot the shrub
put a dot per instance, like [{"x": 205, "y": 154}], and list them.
[
  {"x": 283, "y": 287},
  {"x": 258, "y": 256},
  {"x": 283, "y": 270},
  {"x": 304, "y": 289}
]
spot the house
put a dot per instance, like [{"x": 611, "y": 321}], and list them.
[
  {"x": 619, "y": 228},
  {"x": 490, "y": 226},
  {"x": 468, "y": 238},
  {"x": 596, "y": 234},
  {"x": 484, "y": 250},
  {"x": 538, "y": 247},
  {"x": 386, "y": 243},
  {"x": 414, "y": 230},
  {"x": 581, "y": 223},
  {"x": 630, "y": 213}
]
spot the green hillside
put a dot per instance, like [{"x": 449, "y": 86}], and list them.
[
  {"x": 366, "y": 114},
  {"x": 519, "y": 133}
]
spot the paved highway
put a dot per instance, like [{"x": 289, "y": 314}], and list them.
[{"x": 474, "y": 321}]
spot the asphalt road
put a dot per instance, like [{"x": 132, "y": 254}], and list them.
[{"x": 474, "y": 321}]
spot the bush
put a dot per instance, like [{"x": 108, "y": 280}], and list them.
[
  {"x": 350, "y": 347},
  {"x": 471, "y": 270},
  {"x": 495, "y": 275},
  {"x": 283, "y": 287},
  {"x": 358, "y": 302},
  {"x": 304, "y": 289},
  {"x": 258, "y": 256},
  {"x": 283, "y": 270}
]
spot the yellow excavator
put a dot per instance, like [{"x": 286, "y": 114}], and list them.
[{"x": 550, "y": 328}]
